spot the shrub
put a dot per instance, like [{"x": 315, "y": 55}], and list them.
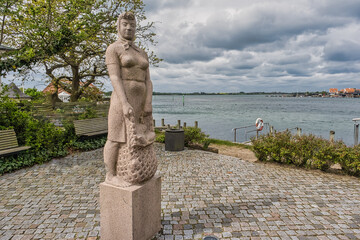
[
  {"x": 36, "y": 95},
  {"x": 88, "y": 144},
  {"x": 307, "y": 151},
  {"x": 46, "y": 140},
  {"x": 349, "y": 159},
  {"x": 88, "y": 113},
  {"x": 160, "y": 137},
  {"x": 194, "y": 135}
]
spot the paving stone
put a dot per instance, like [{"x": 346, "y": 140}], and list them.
[{"x": 202, "y": 194}]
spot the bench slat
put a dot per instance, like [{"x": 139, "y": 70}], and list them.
[
  {"x": 13, "y": 150},
  {"x": 91, "y": 127},
  {"x": 8, "y": 139},
  {"x": 9, "y": 143}
]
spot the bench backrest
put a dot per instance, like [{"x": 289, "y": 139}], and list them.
[
  {"x": 8, "y": 139},
  {"x": 90, "y": 125}
]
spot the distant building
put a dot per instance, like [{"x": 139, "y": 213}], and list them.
[
  {"x": 333, "y": 91},
  {"x": 349, "y": 90},
  {"x": 14, "y": 92},
  {"x": 64, "y": 96}
]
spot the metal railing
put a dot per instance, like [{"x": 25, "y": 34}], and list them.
[
  {"x": 267, "y": 129},
  {"x": 247, "y": 130}
]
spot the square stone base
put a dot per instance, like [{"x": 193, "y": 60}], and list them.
[{"x": 131, "y": 213}]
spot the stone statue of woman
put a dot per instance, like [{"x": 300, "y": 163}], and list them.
[{"x": 129, "y": 156}]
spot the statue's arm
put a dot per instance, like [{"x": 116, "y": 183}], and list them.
[
  {"x": 117, "y": 83},
  {"x": 149, "y": 91}
]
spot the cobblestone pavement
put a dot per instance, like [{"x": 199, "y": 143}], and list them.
[{"x": 202, "y": 194}]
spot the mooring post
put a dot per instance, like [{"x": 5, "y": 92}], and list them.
[
  {"x": 332, "y": 136},
  {"x": 356, "y": 131},
  {"x": 179, "y": 124},
  {"x": 234, "y": 134},
  {"x": 162, "y": 122},
  {"x": 154, "y": 122},
  {"x": 298, "y": 131},
  {"x": 271, "y": 129},
  {"x": 184, "y": 124},
  {"x": 168, "y": 126},
  {"x": 196, "y": 124}
]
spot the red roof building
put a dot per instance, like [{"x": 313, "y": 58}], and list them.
[
  {"x": 64, "y": 95},
  {"x": 333, "y": 91}
]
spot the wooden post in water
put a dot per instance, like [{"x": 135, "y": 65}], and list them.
[
  {"x": 298, "y": 131},
  {"x": 196, "y": 124},
  {"x": 234, "y": 134},
  {"x": 332, "y": 136},
  {"x": 356, "y": 131},
  {"x": 154, "y": 123},
  {"x": 168, "y": 126},
  {"x": 356, "y": 134},
  {"x": 162, "y": 122},
  {"x": 184, "y": 124},
  {"x": 179, "y": 124}
]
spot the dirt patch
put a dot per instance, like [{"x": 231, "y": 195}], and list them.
[{"x": 242, "y": 153}]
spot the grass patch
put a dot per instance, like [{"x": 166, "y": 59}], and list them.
[{"x": 229, "y": 143}]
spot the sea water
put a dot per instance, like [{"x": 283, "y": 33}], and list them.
[{"x": 218, "y": 115}]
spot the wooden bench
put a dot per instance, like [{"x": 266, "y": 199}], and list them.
[
  {"x": 9, "y": 144},
  {"x": 91, "y": 127}
]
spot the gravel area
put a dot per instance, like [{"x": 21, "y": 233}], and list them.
[{"x": 202, "y": 194}]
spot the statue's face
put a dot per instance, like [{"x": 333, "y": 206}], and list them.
[{"x": 127, "y": 29}]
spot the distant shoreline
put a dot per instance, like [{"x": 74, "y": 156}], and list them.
[
  {"x": 276, "y": 94},
  {"x": 238, "y": 93}
]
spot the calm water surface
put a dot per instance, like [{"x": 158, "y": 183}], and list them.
[{"x": 218, "y": 115}]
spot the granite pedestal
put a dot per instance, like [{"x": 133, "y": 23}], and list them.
[{"x": 131, "y": 213}]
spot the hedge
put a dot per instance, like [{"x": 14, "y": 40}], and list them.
[
  {"x": 46, "y": 140},
  {"x": 307, "y": 151}
]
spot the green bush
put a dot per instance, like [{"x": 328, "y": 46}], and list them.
[
  {"x": 88, "y": 113},
  {"x": 307, "y": 151},
  {"x": 88, "y": 144},
  {"x": 160, "y": 137},
  {"x": 46, "y": 140},
  {"x": 349, "y": 159},
  {"x": 194, "y": 135},
  {"x": 36, "y": 95}
]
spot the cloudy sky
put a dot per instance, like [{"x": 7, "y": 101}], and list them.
[{"x": 255, "y": 45}]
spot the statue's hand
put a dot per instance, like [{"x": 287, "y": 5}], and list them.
[{"x": 128, "y": 110}]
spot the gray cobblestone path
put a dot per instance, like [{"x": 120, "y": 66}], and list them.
[{"x": 202, "y": 194}]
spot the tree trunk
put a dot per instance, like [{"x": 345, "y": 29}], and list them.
[
  {"x": 54, "y": 96},
  {"x": 75, "y": 85},
  {"x": 3, "y": 22}
]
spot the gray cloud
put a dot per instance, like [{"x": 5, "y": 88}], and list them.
[
  {"x": 263, "y": 23},
  {"x": 260, "y": 45},
  {"x": 344, "y": 8},
  {"x": 346, "y": 50},
  {"x": 158, "y": 5}
]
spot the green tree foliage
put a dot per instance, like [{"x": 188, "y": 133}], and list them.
[
  {"x": 35, "y": 94},
  {"x": 7, "y": 10},
  {"x": 68, "y": 38}
]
